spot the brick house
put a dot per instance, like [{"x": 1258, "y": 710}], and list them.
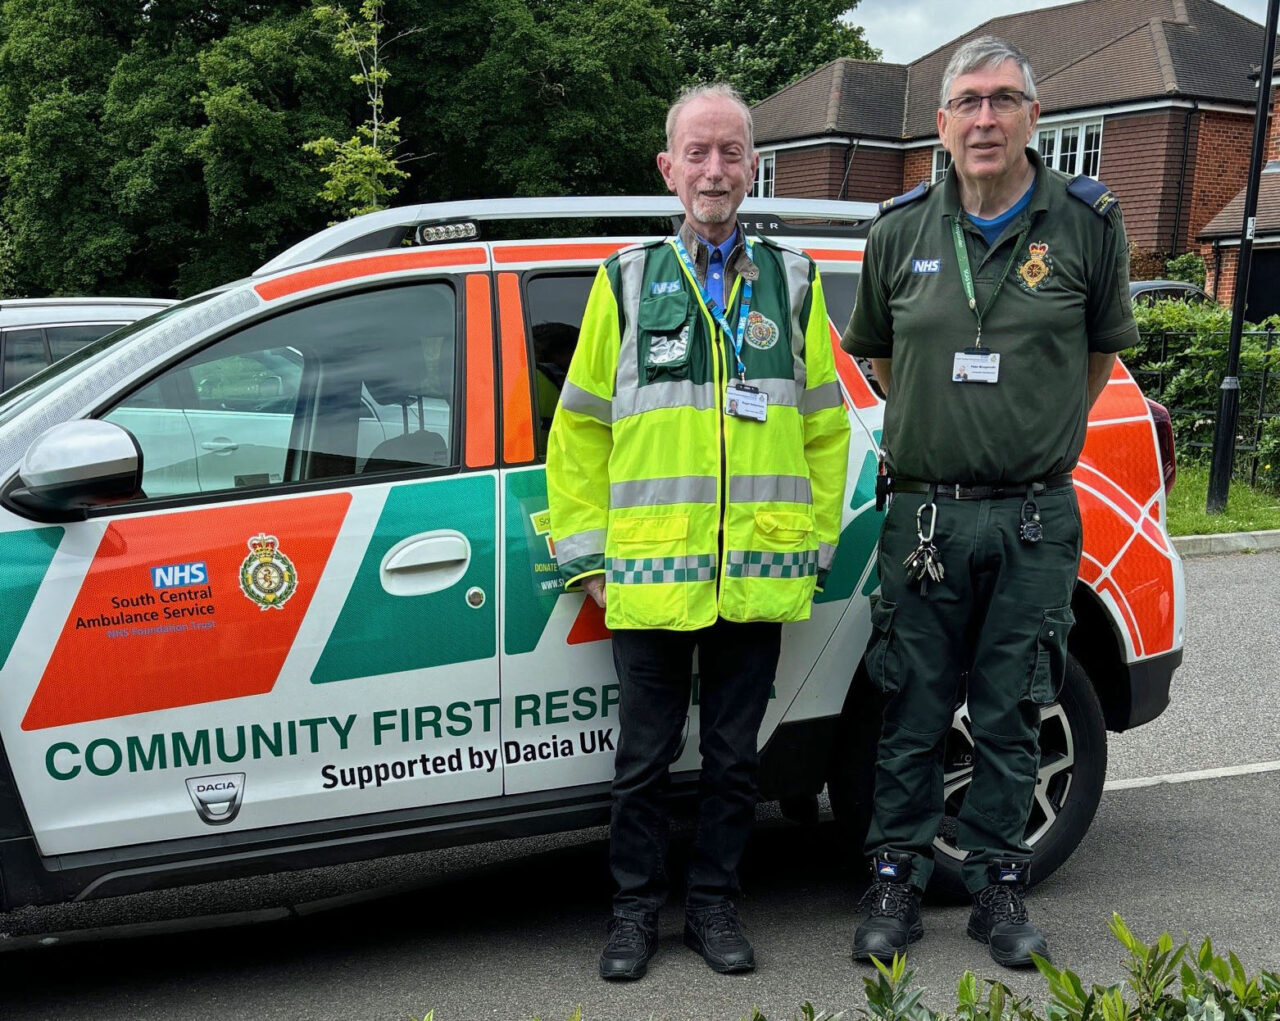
[
  {"x": 1220, "y": 238},
  {"x": 1154, "y": 97}
]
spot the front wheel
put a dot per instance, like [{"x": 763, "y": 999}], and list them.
[{"x": 1073, "y": 766}]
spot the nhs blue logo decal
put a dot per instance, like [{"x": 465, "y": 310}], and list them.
[
  {"x": 926, "y": 265},
  {"x": 664, "y": 287},
  {"x": 179, "y": 575}
]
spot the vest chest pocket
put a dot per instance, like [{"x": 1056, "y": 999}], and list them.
[{"x": 664, "y": 335}]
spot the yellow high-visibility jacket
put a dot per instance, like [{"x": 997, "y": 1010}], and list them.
[{"x": 691, "y": 513}]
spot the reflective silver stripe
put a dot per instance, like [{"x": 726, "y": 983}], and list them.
[
  {"x": 574, "y": 398},
  {"x": 783, "y": 393},
  {"x": 631, "y": 267},
  {"x": 680, "y": 393},
  {"x": 580, "y": 544},
  {"x": 760, "y": 488},
  {"x": 660, "y": 492},
  {"x": 826, "y": 553},
  {"x": 820, "y": 398},
  {"x": 797, "y": 290}
]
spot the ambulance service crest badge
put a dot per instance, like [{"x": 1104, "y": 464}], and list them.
[
  {"x": 1035, "y": 271},
  {"x": 762, "y": 332},
  {"x": 267, "y": 576}
]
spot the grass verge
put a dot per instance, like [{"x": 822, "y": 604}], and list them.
[{"x": 1248, "y": 510}]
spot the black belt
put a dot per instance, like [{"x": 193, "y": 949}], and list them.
[{"x": 996, "y": 491}]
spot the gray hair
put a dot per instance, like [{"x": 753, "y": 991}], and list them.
[
  {"x": 985, "y": 52},
  {"x": 716, "y": 90}
]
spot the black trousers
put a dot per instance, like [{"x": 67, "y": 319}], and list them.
[{"x": 736, "y": 668}]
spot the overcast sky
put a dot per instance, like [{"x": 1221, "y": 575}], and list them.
[{"x": 907, "y": 29}]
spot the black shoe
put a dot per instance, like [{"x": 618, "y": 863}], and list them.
[
  {"x": 630, "y": 947},
  {"x": 999, "y": 916},
  {"x": 892, "y": 907},
  {"x": 716, "y": 934}
]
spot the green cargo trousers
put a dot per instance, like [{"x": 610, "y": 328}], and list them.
[{"x": 998, "y": 620}]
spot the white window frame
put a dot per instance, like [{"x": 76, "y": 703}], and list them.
[
  {"x": 1075, "y": 130},
  {"x": 941, "y": 163},
  {"x": 766, "y": 175}
]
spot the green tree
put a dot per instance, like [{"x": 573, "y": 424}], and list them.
[
  {"x": 533, "y": 97},
  {"x": 761, "y": 46},
  {"x": 362, "y": 173}
]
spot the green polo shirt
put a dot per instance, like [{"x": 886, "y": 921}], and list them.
[{"x": 1066, "y": 295}]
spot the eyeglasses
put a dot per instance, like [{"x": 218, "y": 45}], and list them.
[{"x": 1001, "y": 103}]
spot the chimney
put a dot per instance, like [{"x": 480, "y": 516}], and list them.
[{"x": 1273, "y": 122}]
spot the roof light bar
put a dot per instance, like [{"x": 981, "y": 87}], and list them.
[{"x": 438, "y": 233}]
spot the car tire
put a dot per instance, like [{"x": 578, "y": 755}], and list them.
[{"x": 1073, "y": 766}]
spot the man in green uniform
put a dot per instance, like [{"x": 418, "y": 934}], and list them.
[{"x": 991, "y": 305}]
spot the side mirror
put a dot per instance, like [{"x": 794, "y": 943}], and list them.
[{"x": 75, "y": 466}]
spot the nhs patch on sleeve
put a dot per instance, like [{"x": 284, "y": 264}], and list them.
[{"x": 926, "y": 265}]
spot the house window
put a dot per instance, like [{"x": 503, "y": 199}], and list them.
[
  {"x": 941, "y": 161},
  {"x": 1074, "y": 148},
  {"x": 763, "y": 188}
]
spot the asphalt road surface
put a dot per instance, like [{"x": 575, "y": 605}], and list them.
[{"x": 1183, "y": 841}]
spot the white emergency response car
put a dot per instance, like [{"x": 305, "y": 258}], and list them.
[{"x": 279, "y": 590}]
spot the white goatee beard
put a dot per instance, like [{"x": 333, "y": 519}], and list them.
[{"x": 713, "y": 210}]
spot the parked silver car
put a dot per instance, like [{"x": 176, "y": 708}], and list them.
[{"x": 35, "y": 332}]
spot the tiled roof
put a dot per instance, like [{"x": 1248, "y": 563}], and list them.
[
  {"x": 845, "y": 92},
  {"x": 1086, "y": 54},
  {"x": 1230, "y": 220}
]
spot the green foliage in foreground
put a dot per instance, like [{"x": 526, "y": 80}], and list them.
[
  {"x": 1248, "y": 509},
  {"x": 1163, "y": 983}
]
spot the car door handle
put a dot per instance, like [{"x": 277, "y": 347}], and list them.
[
  {"x": 427, "y": 562},
  {"x": 221, "y": 445}
]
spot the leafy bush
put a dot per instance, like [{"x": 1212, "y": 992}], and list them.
[
  {"x": 1180, "y": 362},
  {"x": 1188, "y": 267}
]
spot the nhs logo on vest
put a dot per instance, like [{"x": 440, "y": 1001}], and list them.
[
  {"x": 926, "y": 265},
  {"x": 179, "y": 575}
]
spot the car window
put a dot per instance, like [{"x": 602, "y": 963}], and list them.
[
  {"x": 24, "y": 356},
  {"x": 357, "y": 385},
  {"x": 555, "y": 303},
  {"x": 65, "y": 339},
  {"x": 840, "y": 290}
]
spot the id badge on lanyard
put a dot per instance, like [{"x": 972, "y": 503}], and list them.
[
  {"x": 741, "y": 400},
  {"x": 977, "y": 364}
]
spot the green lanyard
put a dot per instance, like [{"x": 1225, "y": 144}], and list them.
[{"x": 966, "y": 274}]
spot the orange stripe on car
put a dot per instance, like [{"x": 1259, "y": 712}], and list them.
[
  {"x": 833, "y": 254},
  {"x": 517, "y": 407},
  {"x": 557, "y": 253},
  {"x": 480, "y": 444},
  {"x": 392, "y": 262},
  {"x": 855, "y": 383}
]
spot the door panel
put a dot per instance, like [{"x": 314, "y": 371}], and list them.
[{"x": 283, "y": 657}]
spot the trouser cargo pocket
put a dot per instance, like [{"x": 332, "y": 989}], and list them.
[
  {"x": 1049, "y": 665},
  {"x": 882, "y": 654}
]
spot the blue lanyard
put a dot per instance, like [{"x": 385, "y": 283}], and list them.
[{"x": 716, "y": 311}]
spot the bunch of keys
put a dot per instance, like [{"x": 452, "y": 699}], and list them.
[{"x": 922, "y": 563}]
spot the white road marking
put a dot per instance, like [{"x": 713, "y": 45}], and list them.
[{"x": 1199, "y": 774}]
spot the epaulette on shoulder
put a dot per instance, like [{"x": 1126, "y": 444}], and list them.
[
  {"x": 898, "y": 201},
  {"x": 1094, "y": 194}
]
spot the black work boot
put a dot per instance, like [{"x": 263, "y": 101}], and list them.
[
  {"x": 999, "y": 917},
  {"x": 892, "y": 907},
  {"x": 631, "y": 945},
  {"x": 716, "y": 934}
]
